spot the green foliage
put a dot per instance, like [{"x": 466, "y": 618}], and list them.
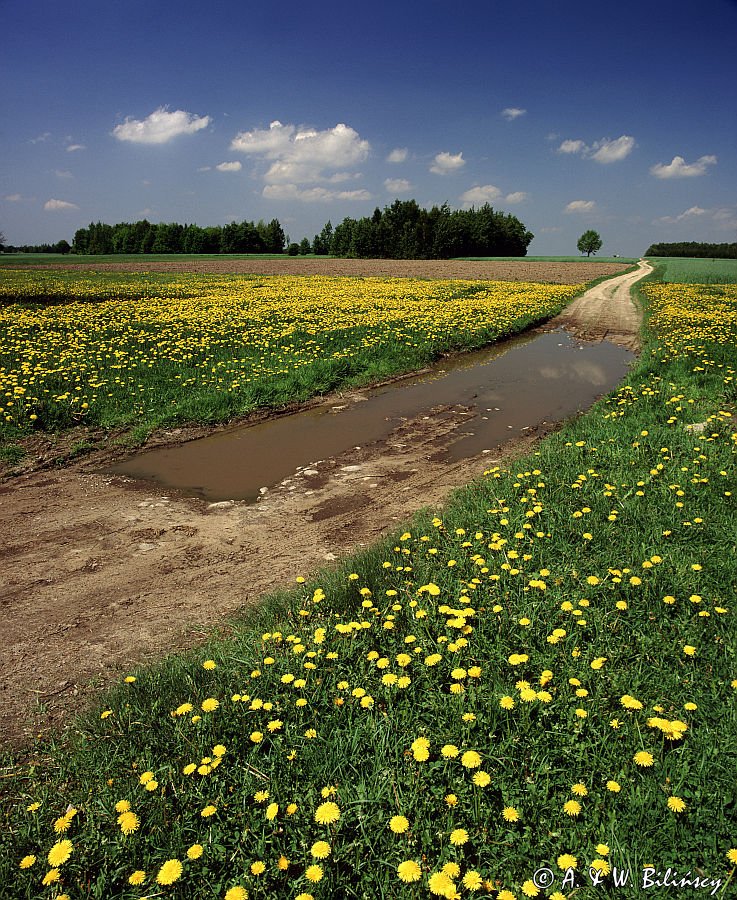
[
  {"x": 696, "y": 249},
  {"x": 589, "y": 242},
  {"x": 406, "y": 231}
]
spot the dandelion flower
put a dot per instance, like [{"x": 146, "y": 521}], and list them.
[
  {"x": 732, "y": 855},
  {"x": 441, "y": 885},
  {"x": 137, "y": 877},
  {"x": 458, "y": 837},
  {"x": 210, "y": 705},
  {"x": 451, "y": 869},
  {"x": 481, "y": 779},
  {"x": 510, "y": 813},
  {"x": 258, "y": 867},
  {"x": 567, "y": 861},
  {"x": 472, "y": 880},
  {"x": 643, "y": 758},
  {"x": 129, "y": 822},
  {"x": 409, "y": 871},
  {"x": 122, "y": 806},
  {"x": 327, "y": 813},
  {"x": 60, "y": 853},
  {"x": 530, "y": 889},
  {"x": 236, "y": 893},
  {"x": 304, "y": 897},
  {"x": 170, "y": 872},
  {"x": 51, "y": 876},
  {"x": 320, "y": 850},
  {"x": 579, "y": 789},
  {"x": 399, "y": 824},
  {"x": 451, "y": 799},
  {"x": 27, "y": 861},
  {"x": 421, "y": 749},
  {"x": 613, "y": 786},
  {"x": 505, "y": 895},
  {"x": 314, "y": 873},
  {"x": 676, "y": 804},
  {"x": 62, "y": 824},
  {"x": 471, "y": 759},
  {"x": 572, "y": 807},
  {"x": 195, "y": 851},
  {"x": 208, "y": 811}
]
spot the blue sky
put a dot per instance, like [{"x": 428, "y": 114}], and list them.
[{"x": 615, "y": 116}]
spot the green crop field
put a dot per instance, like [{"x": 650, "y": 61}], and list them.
[{"x": 685, "y": 270}]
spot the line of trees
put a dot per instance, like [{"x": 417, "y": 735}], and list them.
[
  {"x": 405, "y": 230},
  {"x": 694, "y": 248},
  {"x": 170, "y": 237}
]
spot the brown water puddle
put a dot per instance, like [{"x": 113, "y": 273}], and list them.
[{"x": 507, "y": 388}]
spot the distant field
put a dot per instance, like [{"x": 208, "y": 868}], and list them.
[
  {"x": 688, "y": 270},
  {"x": 551, "y": 270}
]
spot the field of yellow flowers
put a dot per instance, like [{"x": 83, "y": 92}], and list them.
[
  {"x": 532, "y": 693},
  {"x": 111, "y": 349}
]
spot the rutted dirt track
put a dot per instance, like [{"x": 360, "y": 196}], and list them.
[{"x": 99, "y": 574}]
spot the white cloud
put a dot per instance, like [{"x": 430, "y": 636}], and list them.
[
  {"x": 397, "y": 185},
  {"x": 447, "y": 162},
  {"x": 303, "y": 155},
  {"x": 74, "y": 147},
  {"x": 608, "y": 151},
  {"x": 480, "y": 194},
  {"x": 398, "y": 155},
  {"x": 59, "y": 205},
  {"x": 572, "y": 147},
  {"x": 513, "y": 112},
  {"x": 686, "y": 214},
  {"x": 311, "y": 195},
  {"x": 580, "y": 206},
  {"x": 516, "y": 197},
  {"x": 604, "y": 151},
  {"x": 679, "y": 168},
  {"x": 229, "y": 166},
  {"x": 13, "y": 198},
  {"x": 63, "y": 173},
  {"x": 161, "y": 126},
  {"x": 41, "y": 138}
]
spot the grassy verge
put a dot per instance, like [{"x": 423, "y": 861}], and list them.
[{"x": 536, "y": 685}]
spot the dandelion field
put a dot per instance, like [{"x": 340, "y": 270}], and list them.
[
  {"x": 540, "y": 677},
  {"x": 110, "y": 349}
]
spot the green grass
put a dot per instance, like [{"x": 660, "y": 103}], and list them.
[
  {"x": 685, "y": 270},
  {"x": 592, "y": 583},
  {"x": 567, "y": 259}
]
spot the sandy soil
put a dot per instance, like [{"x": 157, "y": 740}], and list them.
[
  {"x": 99, "y": 574},
  {"x": 510, "y": 270}
]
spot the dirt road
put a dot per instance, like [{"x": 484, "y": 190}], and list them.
[{"x": 99, "y": 574}]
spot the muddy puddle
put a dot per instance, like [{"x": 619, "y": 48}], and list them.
[{"x": 499, "y": 392}]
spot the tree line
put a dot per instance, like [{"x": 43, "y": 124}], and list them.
[
  {"x": 696, "y": 249},
  {"x": 403, "y": 230},
  {"x": 170, "y": 237}
]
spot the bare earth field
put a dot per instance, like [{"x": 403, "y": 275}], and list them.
[
  {"x": 510, "y": 270},
  {"x": 99, "y": 573}
]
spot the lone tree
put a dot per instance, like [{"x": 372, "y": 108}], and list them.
[{"x": 589, "y": 242}]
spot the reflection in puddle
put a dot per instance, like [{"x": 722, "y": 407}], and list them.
[{"x": 518, "y": 384}]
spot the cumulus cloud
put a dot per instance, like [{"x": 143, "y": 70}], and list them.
[
  {"x": 580, "y": 206},
  {"x": 161, "y": 126},
  {"x": 445, "y": 163},
  {"x": 397, "y": 185},
  {"x": 679, "y": 168},
  {"x": 72, "y": 148},
  {"x": 516, "y": 197},
  {"x": 398, "y": 155},
  {"x": 311, "y": 195},
  {"x": 604, "y": 151},
  {"x": 572, "y": 147},
  {"x": 59, "y": 205},
  {"x": 686, "y": 214},
  {"x": 41, "y": 138},
  {"x": 480, "y": 194},
  {"x": 513, "y": 112},
  {"x": 63, "y": 173},
  {"x": 300, "y": 155},
  {"x": 229, "y": 166}
]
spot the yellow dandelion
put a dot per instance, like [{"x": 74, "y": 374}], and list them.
[
  {"x": 170, "y": 872},
  {"x": 320, "y": 850},
  {"x": 314, "y": 873},
  {"x": 27, "y": 861},
  {"x": 137, "y": 877},
  {"x": 643, "y": 758},
  {"x": 676, "y": 804},
  {"x": 572, "y": 808},
  {"x": 236, "y": 893},
  {"x": 409, "y": 871},
  {"x": 60, "y": 853},
  {"x": 327, "y": 813},
  {"x": 195, "y": 851},
  {"x": 399, "y": 824},
  {"x": 510, "y": 814}
]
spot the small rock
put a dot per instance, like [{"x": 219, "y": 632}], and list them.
[
  {"x": 223, "y": 504},
  {"x": 145, "y": 547},
  {"x": 350, "y": 468},
  {"x": 310, "y": 472}
]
